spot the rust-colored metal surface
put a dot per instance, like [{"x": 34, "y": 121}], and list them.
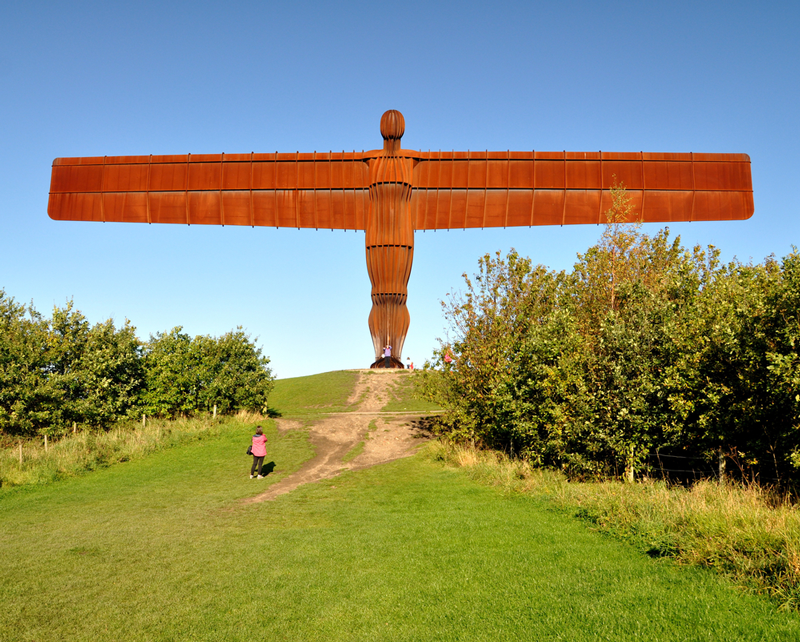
[{"x": 391, "y": 192}]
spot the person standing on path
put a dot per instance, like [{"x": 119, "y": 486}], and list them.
[{"x": 259, "y": 452}]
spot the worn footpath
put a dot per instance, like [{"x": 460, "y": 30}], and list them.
[{"x": 386, "y": 436}]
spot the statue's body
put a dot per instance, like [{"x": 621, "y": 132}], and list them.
[
  {"x": 390, "y": 241},
  {"x": 391, "y": 192}
]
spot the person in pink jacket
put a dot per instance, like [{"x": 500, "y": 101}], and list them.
[{"x": 259, "y": 452}]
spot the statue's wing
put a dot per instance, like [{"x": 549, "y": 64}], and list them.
[
  {"x": 450, "y": 189},
  {"x": 326, "y": 190},
  {"x": 499, "y": 189}
]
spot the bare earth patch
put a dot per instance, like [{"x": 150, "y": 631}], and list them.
[{"x": 392, "y": 436}]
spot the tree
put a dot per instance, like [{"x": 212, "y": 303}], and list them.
[
  {"x": 575, "y": 370},
  {"x": 26, "y": 400},
  {"x": 487, "y": 324},
  {"x": 240, "y": 378},
  {"x": 59, "y": 372},
  {"x": 186, "y": 375},
  {"x": 111, "y": 372}
]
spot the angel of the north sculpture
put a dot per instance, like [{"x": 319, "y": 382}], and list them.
[{"x": 391, "y": 192}]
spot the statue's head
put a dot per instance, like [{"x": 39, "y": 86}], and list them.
[{"x": 393, "y": 125}]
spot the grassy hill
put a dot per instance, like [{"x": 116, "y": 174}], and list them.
[
  {"x": 403, "y": 399},
  {"x": 329, "y": 392},
  {"x": 163, "y": 548},
  {"x": 326, "y": 392}
]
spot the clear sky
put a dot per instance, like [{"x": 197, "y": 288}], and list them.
[{"x": 107, "y": 78}]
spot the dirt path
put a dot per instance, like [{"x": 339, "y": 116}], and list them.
[{"x": 386, "y": 436}]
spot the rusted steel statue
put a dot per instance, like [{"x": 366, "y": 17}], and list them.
[{"x": 391, "y": 192}]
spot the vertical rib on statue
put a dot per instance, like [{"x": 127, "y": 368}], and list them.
[{"x": 390, "y": 241}]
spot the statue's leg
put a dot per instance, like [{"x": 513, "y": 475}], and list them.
[
  {"x": 389, "y": 269},
  {"x": 390, "y": 253}
]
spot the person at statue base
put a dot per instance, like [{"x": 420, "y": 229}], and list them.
[{"x": 387, "y": 356}]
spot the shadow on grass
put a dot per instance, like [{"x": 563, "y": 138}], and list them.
[
  {"x": 428, "y": 427},
  {"x": 266, "y": 469}
]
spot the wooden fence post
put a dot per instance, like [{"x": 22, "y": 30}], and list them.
[
  {"x": 144, "y": 420},
  {"x": 215, "y": 411},
  {"x": 629, "y": 471},
  {"x": 45, "y": 442},
  {"x": 20, "y": 454}
]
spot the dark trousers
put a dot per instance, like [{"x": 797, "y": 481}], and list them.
[
  {"x": 387, "y": 362},
  {"x": 257, "y": 462}
]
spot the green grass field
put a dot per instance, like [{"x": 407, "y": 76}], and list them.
[{"x": 162, "y": 548}]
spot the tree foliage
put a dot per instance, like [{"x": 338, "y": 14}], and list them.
[
  {"x": 644, "y": 347},
  {"x": 62, "y": 372},
  {"x": 187, "y": 375},
  {"x": 59, "y": 371}
]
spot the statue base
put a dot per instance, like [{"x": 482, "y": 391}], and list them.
[{"x": 394, "y": 362}]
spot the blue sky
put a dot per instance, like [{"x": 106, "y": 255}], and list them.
[{"x": 100, "y": 78}]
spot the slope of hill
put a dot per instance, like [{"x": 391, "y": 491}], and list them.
[
  {"x": 174, "y": 547},
  {"x": 356, "y": 430}
]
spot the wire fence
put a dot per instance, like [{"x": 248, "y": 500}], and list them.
[{"x": 693, "y": 468}]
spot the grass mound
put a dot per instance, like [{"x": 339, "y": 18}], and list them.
[
  {"x": 326, "y": 392},
  {"x": 403, "y": 396}
]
